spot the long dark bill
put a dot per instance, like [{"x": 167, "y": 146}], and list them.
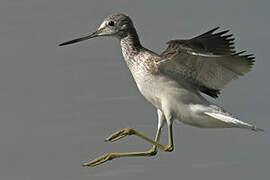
[{"x": 95, "y": 34}]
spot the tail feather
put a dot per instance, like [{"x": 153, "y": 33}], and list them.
[
  {"x": 254, "y": 128},
  {"x": 227, "y": 118}
]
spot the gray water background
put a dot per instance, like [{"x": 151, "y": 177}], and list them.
[{"x": 57, "y": 104}]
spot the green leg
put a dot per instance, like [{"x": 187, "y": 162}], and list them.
[{"x": 127, "y": 131}]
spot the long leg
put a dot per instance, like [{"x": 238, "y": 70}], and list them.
[
  {"x": 170, "y": 145},
  {"x": 169, "y": 118},
  {"x": 161, "y": 120},
  {"x": 151, "y": 152},
  {"x": 162, "y": 116}
]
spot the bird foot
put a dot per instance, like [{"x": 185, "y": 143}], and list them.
[
  {"x": 120, "y": 134},
  {"x": 169, "y": 148},
  {"x": 102, "y": 159}
]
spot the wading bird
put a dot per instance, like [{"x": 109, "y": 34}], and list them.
[{"x": 174, "y": 80}]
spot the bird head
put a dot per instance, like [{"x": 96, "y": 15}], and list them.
[{"x": 117, "y": 25}]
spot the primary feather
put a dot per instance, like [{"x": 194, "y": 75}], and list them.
[{"x": 207, "y": 61}]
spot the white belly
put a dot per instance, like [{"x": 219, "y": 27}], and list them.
[
  {"x": 162, "y": 92},
  {"x": 184, "y": 104}
]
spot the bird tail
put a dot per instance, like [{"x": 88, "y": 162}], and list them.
[
  {"x": 254, "y": 128},
  {"x": 227, "y": 118}
]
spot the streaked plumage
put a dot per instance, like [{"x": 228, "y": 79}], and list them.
[
  {"x": 208, "y": 61},
  {"x": 173, "y": 80}
]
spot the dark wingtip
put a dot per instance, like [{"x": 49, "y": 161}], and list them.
[
  {"x": 212, "y": 30},
  {"x": 209, "y": 32},
  {"x": 221, "y": 33}
]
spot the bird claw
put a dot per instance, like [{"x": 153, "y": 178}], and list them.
[
  {"x": 120, "y": 134},
  {"x": 99, "y": 160}
]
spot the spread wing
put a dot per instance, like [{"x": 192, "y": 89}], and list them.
[{"x": 207, "y": 61}]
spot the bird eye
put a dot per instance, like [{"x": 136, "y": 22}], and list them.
[{"x": 111, "y": 23}]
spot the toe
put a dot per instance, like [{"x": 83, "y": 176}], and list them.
[
  {"x": 99, "y": 160},
  {"x": 169, "y": 148}
]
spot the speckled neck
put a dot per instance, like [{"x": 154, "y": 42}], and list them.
[{"x": 130, "y": 44}]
